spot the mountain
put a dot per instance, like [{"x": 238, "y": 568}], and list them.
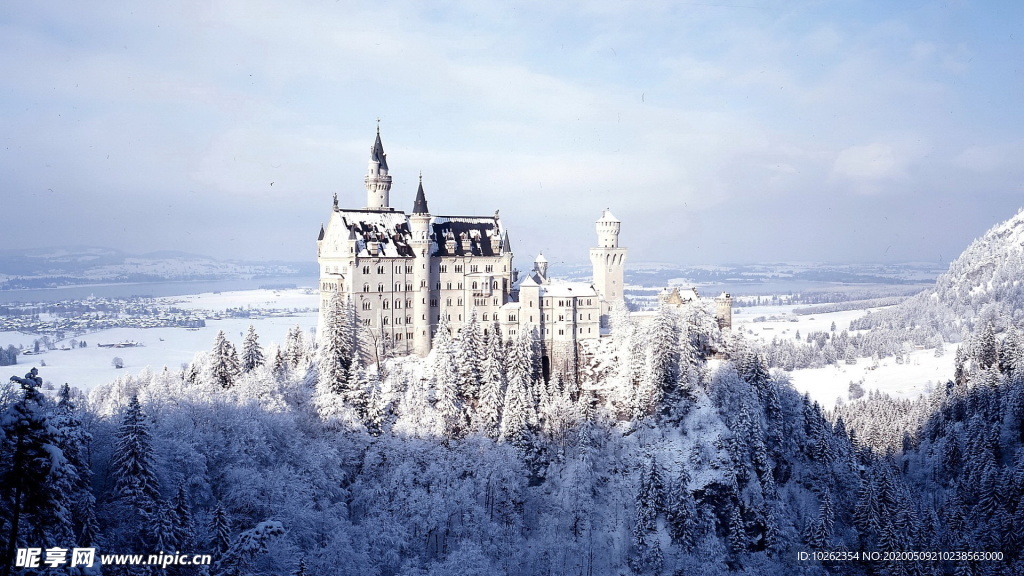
[{"x": 983, "y": 285}]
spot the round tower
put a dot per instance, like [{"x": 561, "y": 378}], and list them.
[
  {"x": 540, "y": 266},
  {"x": 378, "y": 183},
  {"x": 609, "y": 262},
  {"x": 419, "y": 226},
  {"x": 723, "y": 311}
]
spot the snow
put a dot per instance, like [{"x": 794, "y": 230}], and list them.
[
  {"x": 919, "y": 374},
  {"x": 89, "y": 367}
]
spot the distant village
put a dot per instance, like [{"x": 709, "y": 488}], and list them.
[{"x": 71, "y": 319}]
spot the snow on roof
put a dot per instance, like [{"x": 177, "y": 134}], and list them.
[
  {"x": 562, "y": 289},
  {"x": 540, "y": 258},
  {"x": 389, "y": 230},
  {"x": 607, "y": 216},
  {"x": 483, "y": 234}
]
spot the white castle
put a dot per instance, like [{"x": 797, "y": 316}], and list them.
[{"x": 402, "y": 271}]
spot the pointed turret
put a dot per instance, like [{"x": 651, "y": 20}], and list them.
[
  {"x": 377, "y": 152},
  {"x": 378, "y": 182},
  {"x": 321, "y": 237},
  {"x": 506, "y": 246},
  {"x": 419, "y": 206}
]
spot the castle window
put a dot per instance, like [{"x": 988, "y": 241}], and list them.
[
  {"x": 512, "y": 332},
  {"x": 433, "y": 303},
  {"x": 473, "y": 268},
  {"x": 444, "y": 267},
  {"x": 448, "y": 302},
  {"x": 366, "y": 321},
  {"x": 458, "y": 268},
  {"x": 385, "y": 304},
  {"x": 460, "y": 301},
  {"x": 474, "y": 286},
  {"x": 460, "y": 285},
  {"x": 380, "y": 269},
  {"x": 560, "y": 332},
  {"x": 588, "y": 316},
  {"x": 423, "y": 283},
  {"x": 398, "y": 269},
  {"x": 495, "y": 301},
  {"x": 494, "y": 285},
  {"x": 408, "y": 320},
  {"x": 408, "y": 302},
  {"x": 485, "y": 317},
  {"x": 367, "y": 305},
  {"x": 448, "y": 286},
  {"x": 386, "y": 321},
  {"x": 366, "y": 269},
  {"x": 531, "y": 303},
  {"x": 366, "y": 287},
  {"x": 489, "y": 268},
  {"x": 398, "y": 336},
  {"x": 588, "y": 330},
  {"x": 561, "y": 318},
  {"x": 398, "y": 287},
  {"x": 511, "y": 318},
  {"x": 380, "y": 287},
  {"x": 398, "y": 304},
  {"x": 438, "y": 287},
  {"x": 408, "y": 335},
  {"x": 408, "y": 269},
  {"x": 408, "y": 286}
]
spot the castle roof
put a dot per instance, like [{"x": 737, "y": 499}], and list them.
[
  {"x": 563, "y": 289},
  {"x": 607, "y": 216},
  {"x": 377, "y": 152},
  {"x": 388, "y": 232},
  {"x": 419, "y": 206},
  {"x": 477, "y": 230}
]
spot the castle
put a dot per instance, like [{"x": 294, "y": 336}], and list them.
[{"x": 402, "y": 271}]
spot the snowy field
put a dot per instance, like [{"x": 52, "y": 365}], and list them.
[
  {"x": 917, "y": 375},
  {"x": 88, "y": 367}
]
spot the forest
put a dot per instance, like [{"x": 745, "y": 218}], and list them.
[{"x": 675, "y": 448}]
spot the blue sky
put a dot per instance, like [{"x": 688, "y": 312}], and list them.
[{"x": 747, "y": 131}]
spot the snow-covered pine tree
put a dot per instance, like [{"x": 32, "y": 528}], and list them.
[
  {"x": 664, "y": 350},
  {"x": 469, "y": 358},
  {"x": 224, "y": 366},
  {"x": 220, "y": 528},
  {"x": 295, "y": 348},
  {"x": 32, "y": 475},
  {"x": 681, "y": 512},
  {"x": 252, "y": 352},
  {"x": 133, "y": 464},
  {"x": 487, "y": 416},
  {"x": 184, "y": 526},
  {"x": 74, "y": 441},
  {"x": 446, "y": 378}
]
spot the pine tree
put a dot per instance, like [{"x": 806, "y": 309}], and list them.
[
  {"x": 220, "y": 528},
  {"x": 74, "y": 440},
  {"x": 738, "y": 540},
  {"x": 470, "y": 359},
  {"x": 163, "y": 529},
  {"x": 681, "y": 512},
  {"x": 252, "y": 352},
  {"x": 224, "y": 361},
  {"x": 184, "y": 527},
  {"x": 295, "y": 347},
  {"x": 446, "y": 381},
  {"x": 487, "y": 417},
  {"x": 988, "y": 348},
  {"x": 32, "y": 475},
  {"x": 133, "y": 464}
]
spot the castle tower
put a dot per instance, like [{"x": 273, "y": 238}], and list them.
[
  {"x": 723, "y": 311},
  {"x": 378, "y": 183},
  {"x": 540, "y": 267},
  {"x": 609, "y": 261},
  {"x": 419, "y": 226}
]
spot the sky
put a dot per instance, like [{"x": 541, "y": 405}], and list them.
[{"x": 739, "y": 131}]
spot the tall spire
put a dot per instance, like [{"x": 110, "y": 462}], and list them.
[
  {"x": 419, "y": 206},
  {"x": 377, "y": 152},
  {"x": 378, "y": 182}
]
